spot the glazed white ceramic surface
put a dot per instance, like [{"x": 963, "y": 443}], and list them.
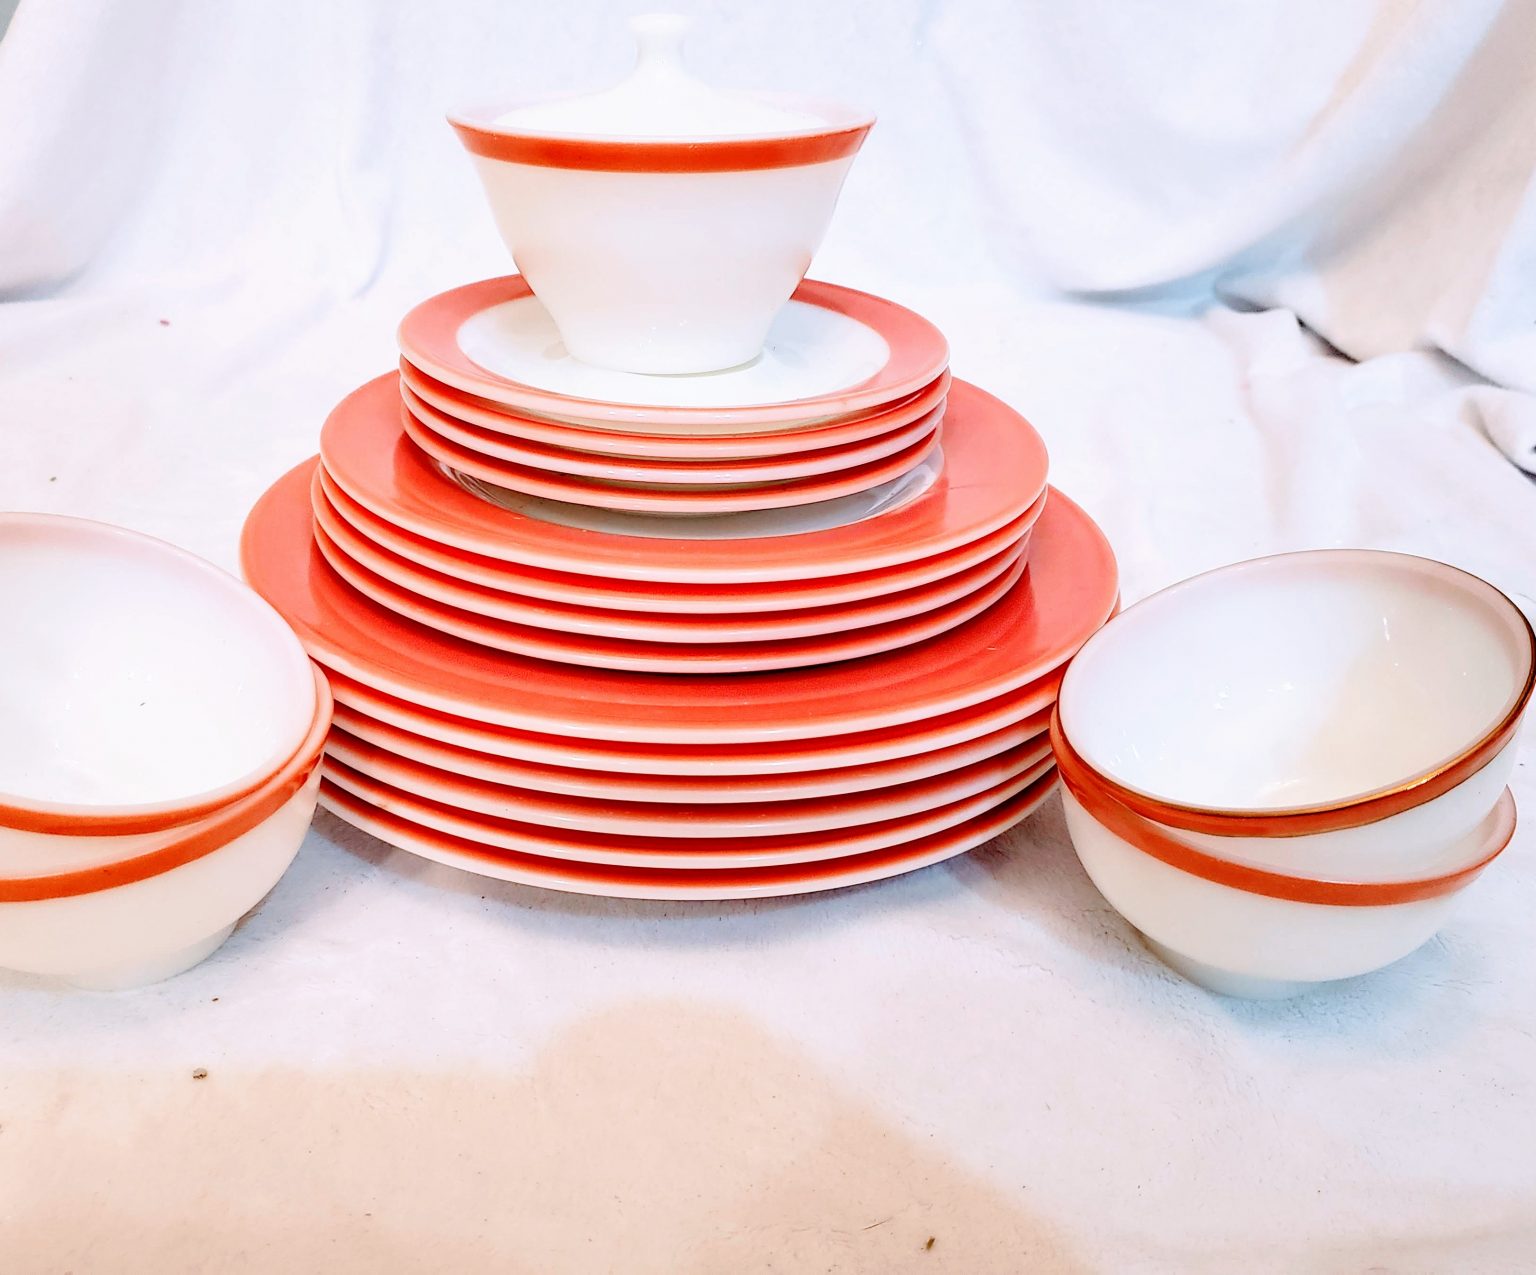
[
  {"x": 148, "y": 930},
  {"x": 1302, "y": 680},
  {"x": 136, "y": 679},
  {"x": 658, "y": 99},
  {"x": 803, "y": 351},
  {"x": 663, "y": 273},
  {"x": 660, "y": 272},
  {"x": 1251, "y": 945}
]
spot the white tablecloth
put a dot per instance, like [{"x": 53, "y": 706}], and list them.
[{"x": 212, "y": 219}]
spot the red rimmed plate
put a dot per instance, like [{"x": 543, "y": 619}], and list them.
[
  {"x": 382, "y": 739},
  {"x": 667, "y": 499},
  {"x": 1068, "y": 592},
  {"x": 490, "y": 418},
  {"x": 335, "y": 509},
  {"x": 787, "y": 758},
  {"x": 694, "y": 658},
  {"x": 633, "y": 625},
  {"x": 702, "y": 883},
  {"x": 684, "y": 822},
  {"x": 832, "y": 352},
  {"x": 994, "y": 469},
  {"x": 611, "y": 849},
  {"x": 813, "y": 462}
]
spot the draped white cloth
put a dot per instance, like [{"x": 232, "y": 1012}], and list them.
[{"x": 1263, "y": 276}]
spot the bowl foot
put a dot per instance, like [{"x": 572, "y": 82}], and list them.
[
  {"x": 116, "y": 978},
  {"x": 1226, "y": 982}
]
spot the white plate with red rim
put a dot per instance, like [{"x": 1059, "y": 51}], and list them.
[
  {"x": 614, "y": 784},
  {"x": 994, "y": 469},
  {"x": 484, "y": 415},
  {"x": 615, "y": 849},
  {"x": 1067, "y": 594},
  {"x": 813, "y": 462},
  {"x": 695, "y": 657},
  {"x": 636, "y": 625},
  {"x": 699, "y": 883},
  {"x": 813, "y": 759},
  {"x": 333, "y": 509},
  {"x": 674, "y": 499},
  {"x": 832, "y": 352},
  {"x": 683, "y": 821}
]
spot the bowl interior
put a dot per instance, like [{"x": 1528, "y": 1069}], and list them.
[
  {"x": 1296, "y": 681},
  {"x": 134, "y": 674}
]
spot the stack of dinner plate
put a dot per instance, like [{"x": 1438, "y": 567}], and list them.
[
  {"x": 637, "y": 578},
  {"x": 752, "y": 703}
]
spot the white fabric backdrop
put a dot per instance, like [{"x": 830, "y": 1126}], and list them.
[{"x": 211, "y": 217}]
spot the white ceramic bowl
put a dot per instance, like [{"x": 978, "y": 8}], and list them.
[
  {"x": 656, "y": 250},
  {"x": 140, "y": 687},
  {"x": 1340, "y": 711},
  {"x": 123, "y": 922},
  {"x": 1237, "y": 941}
]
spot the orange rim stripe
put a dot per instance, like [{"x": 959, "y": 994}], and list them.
[
  {"x": 1349, "y": 812},
  {"x": 1096, "y": 798},
  {"x": 236, "y": 819},
  {"x": 714, "y": 155}
]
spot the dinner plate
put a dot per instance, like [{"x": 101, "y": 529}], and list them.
[
  {"x": 372, "y": 736},
  {"x": 589, "y": 651},
  {"x": 1067, "y": 594},
  {"x": 630, "y": 850},
  {"x": 699, "y": 883},
  {"x": 568, "y": 618},
  {"x": 334, "y": 508},
  {"x": 584, "y": 440},
  {"x": 680, "y": 821},
  {"x": 831, "y": 352},
  {"x": 672, "y": 499},
  {"x": 784, "y": 758},
  {"x": 994, "y": 469},
  {"x": 813, "y": 461}
]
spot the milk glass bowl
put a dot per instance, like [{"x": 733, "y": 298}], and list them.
[
  {"x": 1285, "y": 771},
  {"x": 141, "y": 687},
  {"x": 663, "y": 223},
  {"x": 1335, "y": 711},
  {"x": 121, "y": 911}
]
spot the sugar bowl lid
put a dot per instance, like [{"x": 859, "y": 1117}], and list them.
[{"x": 662, "y": 117}]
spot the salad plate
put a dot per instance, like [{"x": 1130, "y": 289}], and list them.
[
  {"x": 662, "y": 472},
  {"x": 667, "y": 498},
  {"x": 831, "y": 352},
  {"x": 484, "y": 415},
  {"x": 994, "y": 469}
]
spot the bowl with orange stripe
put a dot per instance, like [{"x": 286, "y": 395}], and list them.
[
  {"x": 1252, "y": 932},
  {"x": 1337, "y": 715},
  {"x": 663, "y": 222},
  {"x": 141, "y": 687},
  {"x": 117, "y": 912}
]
